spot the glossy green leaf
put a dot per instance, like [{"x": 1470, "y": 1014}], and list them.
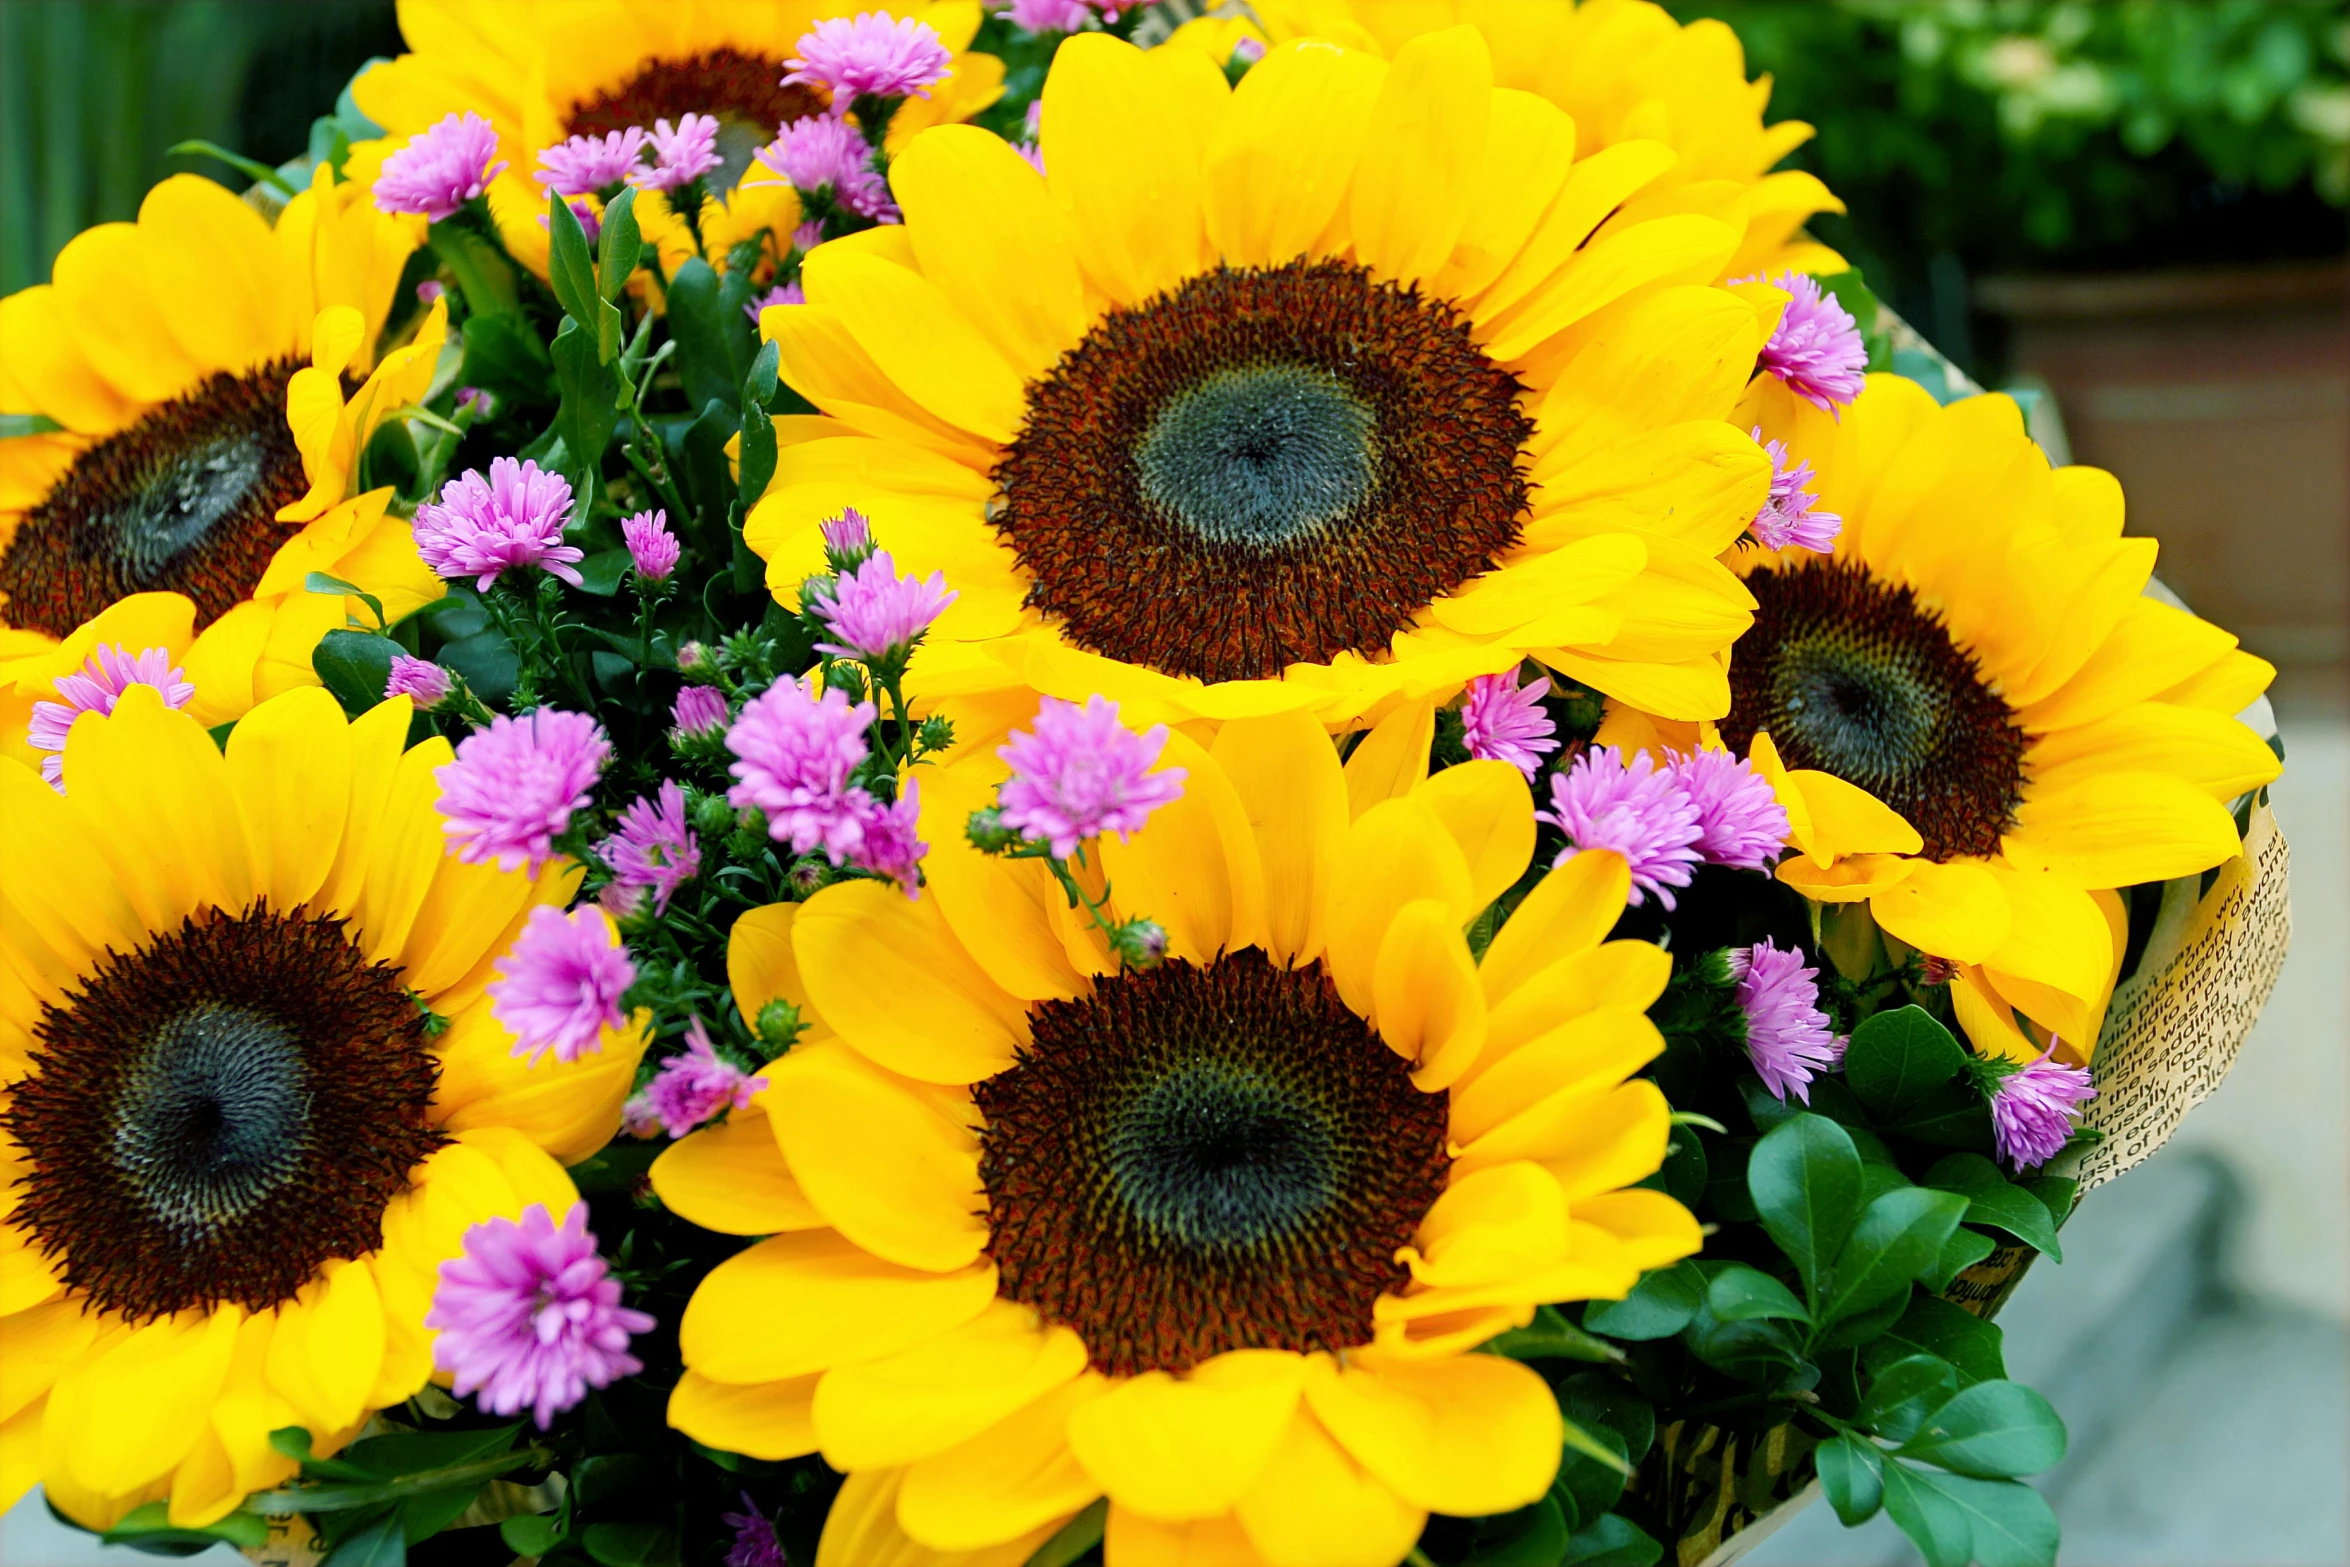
[
  {"x": 1659, "y": 1306},
  {"x": 713, "y": 352},
  {"x": 1905, "y": 1394},
  {"x": 504, "y": 354},
  {"x": 487, "y": 661},
  {"x": 631, "y": 1544},
  {"x": 1996, "y": 1202},
  {"x": 1612, "y": 1541},
  {"x": 589, "y": 387},
  {"x": 1534, "y": 1537},
  {"x": 1962, "y": 1251},
  {"x": 1592, "y": 1470},
  {"x": 1955, "y": 1519},
  {"x": 1932, "y": 1326},
  {"x": 1896, "y": 1238},
  {"x": 381, "y": 1544},
  {"x": 571, "y": 270},
  {"x": 1739, "y": 1293},
  {"x": 1941, "y": 1529},
  {"x": 1550, "y": 1336},
  {"x": 321, "y": 582},
  {"x": 14, "y": 425},
  {"x": 1996, "y": 1430},
  {"x": 619, "y": 247},
  {"x": 149, "y": 1528},
  {"x": 1852, "y": 1473},
  {"x": 1804, "y": 1176},
  {"x": 1896, "y": 1059},
  {"x": 354, "y": 665},
  {"x": 530, "y": 1534}
]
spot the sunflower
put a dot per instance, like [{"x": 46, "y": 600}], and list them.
[
  {"x": 1332, "y": 400},
  {"x": 1980, "y": 721},
  {"x": 544, "y": 70},
  {"x": 1625, "y": 69},
  {"x": 195, "y": 364},
  {"x": 251, "y": 1094},
  {"x": 1213, "y": 1238}
]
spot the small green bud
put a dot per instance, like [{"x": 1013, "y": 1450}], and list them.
[
  {"x": 780, "y": 1026},
  {"x": 809, "y": 875},
  {"x": 987, "y": 831},
  {"x": 1713, "y": 969},
  {"x": 936, "y": 733},
  {"x": 711, "y": 815},
  {"x": 1140, "y": 944},
  {"x": 845, "y": 678}
]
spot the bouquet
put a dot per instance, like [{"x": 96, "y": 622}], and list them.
[{"x": 1032, "y": 787}]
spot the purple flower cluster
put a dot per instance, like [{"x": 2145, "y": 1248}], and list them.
[
  {"x": 1705, "y": 808},
  {"x": 681, "y": 154},
  {"x": 1080, "y": 773},
  {"x": 1817, "y": 348},
  {"x": 1787, "y": 1035},
  {"x": 820, "y": 154},
  {"x": 441, "y": 169},
  {"x": 652, "y": 548},
  {"x": 871, "y": 54},
  {"x": 688, "y": 1089},
  {"x": 514, "y": 785},
  {"x": 530, "y": 1318},
  {"x": 482, "y": 527},
  {"x": 2036, "y": 1106},
  {"x": 592, "y": 163},
  {"x": 560, "y": 985},
  {"x": 698, "y": 711},
  {"x": 95, "y": 688},
  {"x": 653, "y": 848},
  {"x": 874, "y": 614},
  {"x": 1502, "y": 721},
  {"x": 795, "y": 756},
  {"x": 1792, "y": 515}
]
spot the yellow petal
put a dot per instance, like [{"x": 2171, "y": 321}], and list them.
[
  {"x": 569, "y": 1108},
  {"x": 1847, "y": 819},
  {"x": 732, "y": 1178},
  {"x": 1988, "y": 1020},
  {"x": 1278, "y": 161},
  {"x": 1654, "y": 1228},
  {"x": 794, "y": 1304},
  {"x": 1173, "y": 1449},
  {"x": 1395, "y": 853},
  {"x": 1193, "y": 867},
  {"x": 1425, "y": 999},
  {"x": 329, "y": 1342},
  {"x": 169, "y": 1370},
  {"x": 1489, "y": 810},
  {"x": 1501, "y": 1222},
  {"x": 1580, "y": 1054},
  {"x": 1569, "y": 911},
  {"x": 1589, "y": 1144},
  {"x": 1015, "y": 1477},
  {"x": 1853, "y": 879},
  {"x": 890, "y": 976},
  {"x": 2212, "y": 750},
  {"x": 154, "y": 792},
  {"x": 1392, "y": 760},
  {"x": 1137, "y": 1540},
  {"x": 1424, "y": 142},
  {"x": 1630, "y": 974},
  {"x": 191, "y": 227},
  {"x": 1314, "y": 1506},
  {"x": 989, "y": 236},
  {"x": 943, "y": 1392},
  {"x": 118, "y": 325},
  {"x": 760, "y": 965},
  {"x": 1138, "y": 222},
  {"x": 1008, "y": 914},
  {"x": 1286, "y": 775},
  {"x": 289, "y": 761},
  {"x": 1954, "y": 911},
  {"x": 1473, "y": 1435},
  {"x": 862, "y": 1530},
  {"x": 889, "y": 1170},
  {"x": 917, "y": 337},
  {"x": 770, "y": 1420},
  {"x": 2059, "y": 942}
]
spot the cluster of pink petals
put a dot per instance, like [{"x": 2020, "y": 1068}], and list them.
[
  {"x": 1634, "y": 809},
  {"x": 1817, "y": 348},
  {"x": 515, "y": 517},
  {"x": 441, "y": 169},
  {"x": 755, "y": 1544},
  {"x": 592, "y": 163},
  {"x": 1787, "y": 1035},
  {"x": 872, "y": 54},
  {"x": 1792, "y": 515},
  {"x": 682, "y": 153},
  {"x": 873, "y": 613},
  {"x": 420, "y": 680},
  {"x": 1081, "y": 773},
  {"x": 652, "y": 548},
  {"x": 820, "y": 153},
  {"x": 653, "y": 847},
  {"x": 689, "y": 1089},
  {"x": 1057, "y": 16},
  {"x": 95, "y": 688},
  {"x": 514, "y": 785},
  {"x": 2036, "y": 1106},
  {"x": 891, "y": 848},
  {"x": 848, "y": 538},
  {"x": 794, "y": 753},
  {"x": 698, "y": 710},
  {"x": 780, "y": 294},
  {"x": 559, "y": 986},
  {"x": 1502, "y": 721},
  {"x": 1740, "y": 822},
  {"x": 529, "y": 1317},
  {"x": 591, "y": 222}
]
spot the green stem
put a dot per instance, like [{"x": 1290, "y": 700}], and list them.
[{"x": 341, "y": 1498}]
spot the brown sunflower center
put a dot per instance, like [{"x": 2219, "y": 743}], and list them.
[
  {"x": 1262, "y": 467},
  {"x": 1199, "y": 1159},
  {"x": 185, "y": 500},
  {"x": 216, "y": 1114},
  {"x": 1851, "y": 675},
  {"x": 743, "y": 92}
]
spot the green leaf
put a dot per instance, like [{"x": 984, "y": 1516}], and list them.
[
  {"x": 631, "y": 1544},
  {"x": 1538, "y": 1538},
  {"x": 589, "y": 388},
  {"x": 1079, "y": 1535},
  {"x": 530, "y": 1534},
  {"x": 485, "y": 278},
  {"x": 1996, "y": 1202},
  {"x": 259, "y": 173},
  {"x": 412, "y": 1452},
  {"x": 505, "y": 354},
  {"x": 1612, "y": 1541},
  {"x": 1852, "y": 1473},
  {"x": 487, "y": 661},
  {"x": 1996, "y": 1430},
  {"x": 713, "y": 352},
  {"x": 149, "y": 1526},
  {"x": 294, "y": 1442},
  {"x": 1956, "y": 1116},
  {"x": 758, "y": 448},
  {"x": 1905, "y": 1394},
  {"x": 1896, "y": 1059},
  {"x": 702, "y": 471},
  {"x": 570, "y": 269},
  {"x": 2012, "y": 1524},
  {"x": 1896, "y": 1238},
  {"x": 1941, "y": 1529},
  {"x": 1592, "y": 1470},
  {"x": 1962, "y": 1251},
  {"x": 1659, "y": 1306},
  {"x": 619, "y": 247},
  {"x": 354, "y": 665},
  {"x": 381, "y": 1544},
  {"x": 14, "y": 425},
  {"x": 1932, "y": 1326},
  {"x": 320, "y": 582},
  {"x": 1594, "y": 1399},
  {"x": 1739, "y": 1293},
  {"x": 1550, "y": 1336},
  {"x": 1804, "y": 1176},
  {"x": 601, "y": 573}
]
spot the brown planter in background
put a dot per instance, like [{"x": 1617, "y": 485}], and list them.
[{"x": 2222, "y": 402}]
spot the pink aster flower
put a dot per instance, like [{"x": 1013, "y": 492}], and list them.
[
  {"x": 794, "y": 756},
  {"x": 687, "y": 1090},
  {"x": 891, "y": 847},
  {"x": 875, "y": 614},
  {"x": 514, "y": 785},
  {"x": 559, "y": 986},
  {"x": 1787, "y": 1035},
  {"x": 591, "y": 163},
  {"x": 1081, "y": 773},
  {"x": 1602, "y": 802},
  {"x": 428, "y": 291},
  {"x": 2035, "y": 1107},
  {"x": 420, "y": 680},
  {"x": 481, "y": 527},
  {"x": 681, "y": 154},
  {"x": 781, "y": 294},
  {"x": 698, "y": 710},
  {"x": 848, "y": 539},
  {"x": 1792, "y": 515},
  {"x": 1817, "y": 349},
  {"x": 873, "y": 54},
  {"x": 95, "y": 688},
  {"x": 1503, "y": 721},
  {"x": 652, "y": 548},
  {"x": 1740, "y": 822},
  {"x": 755, "y": 1544},
  {"x": 1051, "y": 16},
  {"x": 530, "y": 1318},
  {"x": 817, "y": 152},
  {"x": 653, "y": 846},
  {"x": 441, "y": 169}
]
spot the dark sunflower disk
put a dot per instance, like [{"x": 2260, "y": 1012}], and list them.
[
  {"x": 1853, "y": 677},
  {"x": 1194, "y": 1160},
  {"x": 218, "y": 1113},
  {"x": 185, "y": 500},
  {"x": 744, "y": 92},
  {"x": 1262, "y": 467}
]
